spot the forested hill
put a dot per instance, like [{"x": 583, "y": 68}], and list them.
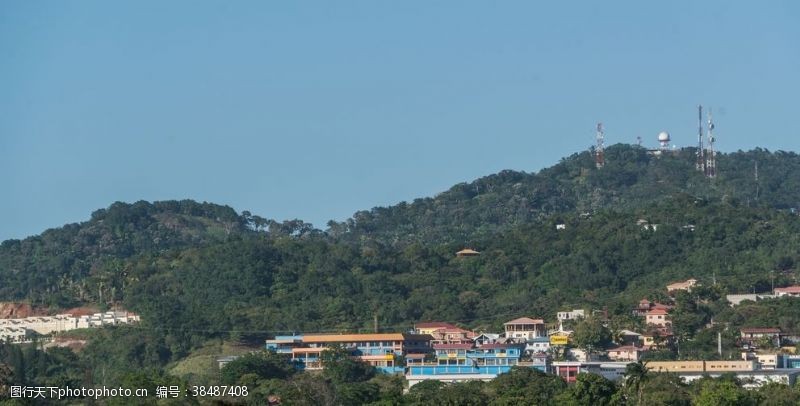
[
  {"x": 197, "y": 271},
  {"x": 57, "y": 267},
  {"x": 631, "y": 178}
]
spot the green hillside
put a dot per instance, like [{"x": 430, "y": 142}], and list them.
[
  {"x": 631, "y": 178},
  {"x": 198, "y": 271}
]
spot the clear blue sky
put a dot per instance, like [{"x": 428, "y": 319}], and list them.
[{"x": 314, "y": 110}]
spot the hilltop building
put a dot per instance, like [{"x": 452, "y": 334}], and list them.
[
  {"x": 686, "y": 285},
  {"x": 467, "y": 252}
]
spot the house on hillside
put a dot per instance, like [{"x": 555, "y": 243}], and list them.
[
  {"x": 645, "y": 306},
  {"x": 658, "y": 318},
  {"x": 686, "y": 285},
  {"x": 626, "y": 353},
  {"x": 467, "y": 252},
  {"x": 752, "y": 336},
  {"x": 525, "y": 328},
  {"x": 485, "y": 338},
  {"x": 793, "y": 291}
]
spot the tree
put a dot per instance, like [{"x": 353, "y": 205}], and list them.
[
  {"x": 524, "y": 386},
  {"x": 339, "y": 367},
  {"x": 591, "y": 335},
  {"x": 591, "y": 389},
  {"x": 722, "y": 392},
  {"x": 634, "y": 379},
  {"x": 778, "y": 394},
  {"x": 663, "y": 389},
  {"x": 263, "y": 364}
]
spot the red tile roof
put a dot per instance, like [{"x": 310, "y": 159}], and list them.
[
  {"x": 788, "y": 289},
  {"x": 434, "y": 324},
  {"x": 453, "y": 346},
  {"x": 500, "y": 346},
  {"x": 761, "y": 330}
]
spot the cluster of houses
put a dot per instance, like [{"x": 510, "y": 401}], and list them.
[
  {"x": 24, "y": 329},
  {"x": 445, "y": 352}
]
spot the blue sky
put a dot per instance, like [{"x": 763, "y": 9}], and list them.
[{"x": 314, "y": 110}]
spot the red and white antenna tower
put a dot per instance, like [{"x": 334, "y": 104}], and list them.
[
  {"x": 711, "y": 155},
  {"x": 599, "y": 157},
  {"x": 701, "y": 160}
]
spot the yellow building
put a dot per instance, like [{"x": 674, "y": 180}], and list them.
[{"x": 700, "y": 366}]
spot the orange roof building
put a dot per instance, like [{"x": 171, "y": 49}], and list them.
[{"x": 467, "y": 252}]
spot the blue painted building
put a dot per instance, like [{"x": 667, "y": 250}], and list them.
[
  {"x": 382, "y": 351},
  {"x": 463, "y": 362}
]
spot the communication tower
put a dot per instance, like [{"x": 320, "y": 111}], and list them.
[
  {"x": 711, "y": 155},
  {"x": 701, "y": 161},
  {"x": 599, "y": 157}
]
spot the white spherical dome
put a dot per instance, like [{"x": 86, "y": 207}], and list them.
[{"x": 663, "y": 136}]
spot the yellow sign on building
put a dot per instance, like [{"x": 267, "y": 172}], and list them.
[{"x": 559, "y": 340}]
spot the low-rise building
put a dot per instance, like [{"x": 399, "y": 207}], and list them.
[
  {"x": 537, "y": 345},
  {"x": 485, "y": 338},
  {"x": 381, "y": 351},
  {"x": 569, "y": 370},
  {"x": 628, "y": 337},
  {"x": 658, "y": 318},
  {"x": 626, "y": 353},
  {"x": 700, "y": 366},
  {"x": 525, "y": 328},
  {"x": 571, "y": 315},
  {"x": 467, "y": 252},
  {"x": 737, "y": 299},
  {"x": 45, "y": 325},
  {"x": 686, "y": 285},
  {"x": 792, "y": 291},
  {"x": 750, "y": 379},
  {"x": 645, "y": 306},
  {"x": 763, "y": 360},
  {"x": 13, "y": 334},
  {"x": 463, "y": 362},
  {"x": 754, "y": 336}
]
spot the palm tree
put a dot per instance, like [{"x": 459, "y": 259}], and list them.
[{"x": 635, "y": 376}]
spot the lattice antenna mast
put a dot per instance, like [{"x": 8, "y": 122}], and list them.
[
  {"x": 755, "y": 175},
  {"x": 711, "y": 155},
  {"x": 599, "y": 151},
  {"x": 701, "y": 161}
]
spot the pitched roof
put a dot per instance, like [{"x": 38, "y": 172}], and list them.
[
  {"x": 467, "y": 251},
  {"x": 761, "y": 330},
  {"x": 626, "y": 348},
  {"x": 788, "y": 289},
  {"x": 500, "y": 346},
  {"x": 434, "y": 324},
  {"x": 657, "y": 311},
  {"x": 525, "y": 320},
  {"x": 346, "y": 338},
  {"x": 417, "y": 337},
  {"x": 453, "y": 346}
]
